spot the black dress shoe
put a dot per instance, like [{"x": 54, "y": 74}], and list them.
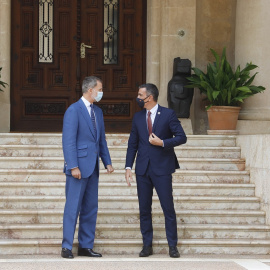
[
  {"x": 88, "y": 252},
  {"x": 173, "y": 251},
  {"x": 146, "y": 251},
  {"x": 67, "y": 253}
]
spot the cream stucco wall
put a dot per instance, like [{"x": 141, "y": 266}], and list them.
[
  {"x": 252, "y": 45},
  {"x": 5, "y": 9}
]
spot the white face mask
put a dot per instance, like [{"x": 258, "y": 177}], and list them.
[{"x": 99, "y": 96}]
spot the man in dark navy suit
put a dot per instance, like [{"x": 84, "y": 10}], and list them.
[
  {"x": 155, "y": 132},
  {"x": 83, "y": 143}
]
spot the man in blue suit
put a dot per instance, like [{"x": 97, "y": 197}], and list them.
[
  {"x": 154, "y": 134},
  {"x": 83, "y": 143}
]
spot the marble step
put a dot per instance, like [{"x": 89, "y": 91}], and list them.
[
  {"x": 119, "y": 163},
  {"x": 112, "y": 139},
  {"x": 129, "y": 216},
  {"x": 187, "y": 176},
  {"x": 117, "y": 189},
  {"x": 128, "y": 246},
  {"x": 132, "y": 231},
  {"x": 118, "y": 151},
  {"x": 131, "y": 202}
]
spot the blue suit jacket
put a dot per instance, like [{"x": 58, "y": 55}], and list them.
[
  {"x": 80, "y": 147},
  {"x": 162, "y": 159}
]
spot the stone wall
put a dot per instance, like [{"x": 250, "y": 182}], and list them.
[
  {"x": 255, "y": 150},
  {"x": 215, "y": 28},
  {"x": 236, "y": 24},
  {"x": 252, "y": 45},
  {"x": 165, "y": 19}
]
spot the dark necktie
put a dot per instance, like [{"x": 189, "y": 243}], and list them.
[
  {"x": 93, "y": 120},
  {"x": 149, "y": 123}
]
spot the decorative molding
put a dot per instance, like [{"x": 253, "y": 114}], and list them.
[
  {"x": 129, "y": 4},
  {"x": 58, "y": 79},
  {"x": 115, "y": 109},
  {"x": 44, "y": 108},
  {"x": 27, "y": 3},
  {"x": 27, "y": 29}
]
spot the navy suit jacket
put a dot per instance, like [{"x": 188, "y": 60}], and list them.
[
  {"x": 81, "y": 148},
  {"x": 162, "y": 159}
]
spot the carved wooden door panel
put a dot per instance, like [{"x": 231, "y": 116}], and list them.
[
  {"x": 41, "y": 91},
  {"x": 115, "y": 30},
  {"x": 47, "y": 68}
]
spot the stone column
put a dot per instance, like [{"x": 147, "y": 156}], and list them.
[
  {"x": 5, "y": 36},
  {"x": 215, "y": 28},
  {"x": 166, "y": 18},
  {"x": 252, "y": 45}
]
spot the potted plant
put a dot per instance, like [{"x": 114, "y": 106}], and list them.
[
  {"x": 2, "y": 84},
  {"x": 224, "y": 89}
]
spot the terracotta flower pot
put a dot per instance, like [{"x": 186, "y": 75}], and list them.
[{"x": 223, "y": 117}]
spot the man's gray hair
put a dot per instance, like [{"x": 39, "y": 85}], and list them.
[{"x": 89, "y": 82}]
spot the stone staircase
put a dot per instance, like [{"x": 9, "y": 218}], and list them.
[{"x": 217, "y": 211}]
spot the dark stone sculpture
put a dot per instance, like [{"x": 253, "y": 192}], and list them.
[{"x": 179, "y": 97}]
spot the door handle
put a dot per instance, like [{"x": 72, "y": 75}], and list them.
[{"x": 83, "y": 46}]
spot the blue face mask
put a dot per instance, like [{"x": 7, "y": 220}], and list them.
[
  {"x": 99, "y": 96},
  {"x": 141, "y": 102}
]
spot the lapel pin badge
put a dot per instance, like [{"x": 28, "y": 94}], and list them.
[{"x": 158, "y": 112}]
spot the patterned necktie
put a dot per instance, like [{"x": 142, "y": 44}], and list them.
[
  {"x": 93, "y": 120},
  {"x": 149, "y": 123}
]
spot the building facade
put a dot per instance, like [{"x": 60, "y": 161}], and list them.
[{"x": 186, "y": 29}]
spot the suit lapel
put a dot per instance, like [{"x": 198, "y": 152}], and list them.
[
  {"x": 158, "y": 115},
  {"x": 98, "y": 120},
  {"x": 86, "y": 116}
]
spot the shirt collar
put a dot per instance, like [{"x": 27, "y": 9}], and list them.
[
  {"x": 154, "y": 109},
  {"x": 85, "y": 101}
]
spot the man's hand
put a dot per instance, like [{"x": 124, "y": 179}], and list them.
[
  {"x": 76, "y": 173},
  {"x": 154, "y": 140},
  {"x": 110, "y": 169},
  {"x": 128, "y": 176}
]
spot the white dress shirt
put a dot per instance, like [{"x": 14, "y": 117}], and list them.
[
  {"x": 153, "y": 114},
  {"x": 87, "y": 104}
]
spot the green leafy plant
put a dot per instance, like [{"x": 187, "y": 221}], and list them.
[
  {"x": 2, "y": 84},
  {"x": 223, "y": 86}
]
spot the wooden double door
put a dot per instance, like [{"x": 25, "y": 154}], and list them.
[{"x": 42, "y": 90}]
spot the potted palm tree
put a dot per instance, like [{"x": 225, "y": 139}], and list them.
[
  {"x": 224, "y": 89},
  {"x": 2, "y": 84}
]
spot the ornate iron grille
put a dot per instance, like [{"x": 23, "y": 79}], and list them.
[
  {"x": 110, "y": 31},
  {"x": 46, "y": 31}
]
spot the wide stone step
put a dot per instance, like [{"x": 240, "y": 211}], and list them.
[
  {"x": 112, "y": 139},
  {"x": 188, "y": 176},
  {"x": 128, "y": 216},
  {"x": 117, "y": 189},
  {"x": 119, "y": 163},
  {"x": 128, "y": 246},
  {"x": 131, "y": 202},
  {"x": 117, "y": 151},
  {"x": 132, "y": 231}
]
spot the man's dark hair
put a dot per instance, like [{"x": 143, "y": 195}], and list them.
[{"x": 151, "y": 89}]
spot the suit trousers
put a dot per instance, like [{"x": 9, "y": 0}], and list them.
[
  {"x": 81, "y": 198},
  {"x": 163, "y": 186}
]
